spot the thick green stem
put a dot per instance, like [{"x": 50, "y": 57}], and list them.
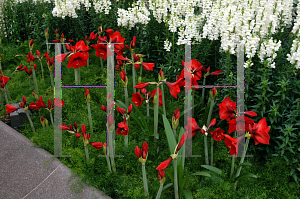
[
  {"x": 212, "y": 152},
  {"x": 156, "y": 114},
  {"x": 108, "y": 163},
  {"x": 145, "y": 180},
  {"x": 51, "y": 118},
  {"x": 30, "y": 82},
  {"x": 29, "y": 119},
  {"x": 1, "y": 102},
  {"x": 207, "y": 123},
  {"x": 241, "y": 162},
  {"x": 34, "y": 80},
  {"x": 0, "y": 66},
  {"x": 111, "y": 151},
  {"x": 42, "y": 70},
  {"x": 174, "y": 131},
  {"x": 7, "y": 102},
  {"x": 88, "y": 62},
  {"x": 101, "y": 63},
  {"x": 86, "y": 152},
  {"x": 232, "y": 160},
  {"x": 126, "y": 96},
  {"x": 175, "y": 179},
  {"x": 76, "y": 76},
  {"x": 51, "y": 78},
  {"x": 159, "y": 192},
  {"x": 163, "y": 99},
  {"x": 133, "y": 73},
  {"x": 148, "y": 112},
  {"x": 6, "y": 90},
  {"x": 203, "y": 90},
  {"x": 90, "y": 116}
]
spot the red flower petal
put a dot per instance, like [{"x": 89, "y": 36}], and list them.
[
  {"x": 96, "y": 145},
  {"x": 137, "y": 152},
  {"x": 142, "y": 85},
  {"x": 164, "y": 164}
]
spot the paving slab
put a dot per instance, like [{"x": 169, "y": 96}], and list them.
[{"x": 33, "y": 173}]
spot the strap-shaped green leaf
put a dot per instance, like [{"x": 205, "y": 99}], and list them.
[
  {"x": 169, "y": 134},
  {"x": 213, "y": 169},
  {"x": 187, "y": 194},
  {"x": 246, "y": 175},
  {"x": 167, "y": 186},
  {"x": 201, "y": 173}
]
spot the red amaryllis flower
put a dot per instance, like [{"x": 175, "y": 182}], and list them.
[
  {"x": 227, "y": 109},
  {"x": 119, "y": 40},
  {"x": 232, "y": 143},
  {"x": 31, "y": 58},
  {"x": 218, "y": 72},
  {"x": 58, "y": 103},
  {"x": 29, "y": 72},
  {"x": 141, "y": 152},
  {"x": 3, "y": 81},
  {"x": 120, "y": 57},
  {"x": 148, "y": 66},
  {"x": 132, "y": 43},
  {"x": 122, "y": 111},
  {"x": 250, "y": 113},
  {"x": 103, "y": 108},
  {"x": 142, "y": 85},
  {"x": 217, "y": 134},
  {"x": 20, "y": 68},
  {"x": 164, "y": 164},
  {"x": 123, "y": 128},
  {"x": 174, "y": 87},
  {"x": 137, "y": 99},
  {"x": 33, "y": 106},
  {"x": 35, "y": 67},
  {"x": 193, "y": 68},
  {"x": 108, "y": 31},
  {"x": 96, "y": 145},
  {"x": 102, "y": 50},
  {"x": 237, "y": 123},
  {"x": 40, "y": 103},
  {"x": 181, "y": 142},
  {"x": 205, "y": 129},
  {"x": 192, "y": 124},
  {"x": 160, "y": 96},
  {"x": 259, "y": 132},
  {"x": 161, "y": 174},
  {"x": 24, "y": 99},
  {"x": 9, "y": 108},
  {"x": 175, "y": 119},
  {"x": 123, "y": 78},
  {"x": 65, "y": 127},
  {"x": 84, "y": 134},
  {"x": 86, "y": 92}
]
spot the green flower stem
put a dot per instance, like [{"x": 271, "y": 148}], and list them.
[
  {"x": 147, "y": 112},
  {"x": 0, "y": 66},
  {"x": 76, "y": 71},
  {"x": 29, "y": 119},
  {"x": 51, "y": 78},
  {"x": 126, "y": 96},
  {"x": 207, "y": 123},
  {"x": 6, "y": 90},
  {"x": 51, "y": 117},
  {"x": 47, "y": 47},
  {"x": 145, "y": 180},
  {"x": 156, "y": 114},
  {"x": 232, "y": 161},
  {"x": 7, "y": 102},
  {"x": 108, "y": 163},
  {"x": 111, "y": 151},
  {"x": 88, "y": 62},
  {"x": 34, "y": 80},
  {"x": 175, "y": 179},
  {"x": 90, "y": 116},
  {"x": 174, "y": 131},
  {"x": 212, "y": 151},
  {"x": 242, "y": 161},
  {"x": 163, "y": 98},
  {"x": 30, "y": 82},
  {"x": 193, "y": 101},
  {"x": 1, "y": 102},
  {"x": 159, "y": 192},
  {"x": 42, "y": 69},
  {"x": 86, "y": 152},
  {"x": 133, "y": 73},
  {"x": 203, "y": 90},
  {"x": 79, "y": 75},
  {"x": 101, "y": 63}
]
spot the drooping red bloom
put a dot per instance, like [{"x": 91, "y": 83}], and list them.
[
  {"x": 217, "y": 134},
  {"x": 108, "y": 31},
  {"x": 123, "y": 128},
  {"x": 86, "y": 92},
  {"x": 141, "y": 152},
  {"x": 3, "y": 81},
  {"x": 164, "y": 164},
  {"x": 237, "y": 124},
  {"x": 148, "y": 66},
  {"x": 132, "y": 43},
  {"x": 142, "y": 85},
  {"x": 102, "y": 50},
  {"x": 174, "y": 87},
  {"x": 181, "y": 142},
  {"x": 33, "y": 106},
  {"x": 232, "y": 143},
  {"x": 250, "y": 113},
  {"x": 9, "y": 108},
  {"x": 96, "y": 145},
  {"x": 260, "y": 132},
  {"x": 29, "y": 72},
  {"x": 137, "y": 99},
  {"x": 20, "y": 68},
  {"x": 31, "y": 58},
  {"x": 84, "y": 134},
  {"x": 65, "y": 127},
  {"x": 119, "y": 42},
  {"x": 227, "y": 109},
  {"x": 192, "y": 124}
]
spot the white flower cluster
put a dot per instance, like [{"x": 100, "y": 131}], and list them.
[
  {"x": 294, "y": 57},
  {"x": 69, "y": 7},
  {"x": 248, "y": 63},
  {"x": 101, "y": 5},
  {"x": 268, "y": 50},
  {"x": 138, "y": 14},
  {"x": 34, "y": 1},
  {"x": 167, "y": 45}
]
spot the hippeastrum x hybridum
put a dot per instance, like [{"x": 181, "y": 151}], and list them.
[
  {"x": 29, "y": 72},
  {"x": 3, "y": 81},
  {"x": 46, "y": 35},
  {"x": 161, "y": 176},
  {"x": 142, "y": 154},
  {"x": 86, "y": 136},
  {"x": 217, "y": 134},
  {"x": 9, "y": 108},
  {"x": 164, "y": 164},
  {"x": 50, "y": 62},
  {"x": 31, "y": 42},
  {"x": 160, "y": 97},
  {"x": 206, "y": 72},
  {"x": 232, "y": 143},
  {"x": 122, "y": 111},
  {"x": 78, "y": 55},
  {"x": 174, "y": 87},
  {"x": 260, "y": 132},
  {"x": 124, "y": 79},
  {"x": 132, "y": 44},
  {"x": 123, "y": 129},
  {"x": 237, "y": 123},
  {"x": 193, "y": 70},
  {"x": 227, "y": 109},
  {"x": 43, "y": 121},
  {"x": 213, "y": 93},
  {"x": 20, "y": 68},
  {"x": 96, "y": 145},
  {"x": 31, "y": 58},
  {"x": 87, "y": 95},
  {"x": 40, "y": 103},
  {"x": 175, "y": 119},
  {"x": 204, "y": 129},
  {"x": 142, "y": 85},
  {"x": 70, "y": 129},
  {"x": 137, "y": 99},
  {"x": 93, "y": 36},
  {"x": 192, "y": 124}
]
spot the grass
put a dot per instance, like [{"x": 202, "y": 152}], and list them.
[{"x": 273, "y": 176}]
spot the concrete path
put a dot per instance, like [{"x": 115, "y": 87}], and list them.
[{"x": 33, "y": 173}]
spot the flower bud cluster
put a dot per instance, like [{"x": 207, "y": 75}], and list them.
[
  {"x": 268, "y": 50},
  {"x": 167, "y": 45},
  {"x": 294, "y": 57}
]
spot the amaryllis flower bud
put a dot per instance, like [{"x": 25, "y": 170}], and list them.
[
  {"x": 100, "y": 29},
  {"x": 47, "y": 34},
  {"x": 137, "y": 152},
  {"x": 213, "y": 93},
  {"x": 164, "y": 164},
  {"x": 161, "y": 73},
  {"x": 161, "y": 177},
  {"x": 142, "y": 85},
  {"x": 31, "y": 44},
  {"x": 22, "y": 105},
  {"x": 124, "y": 79},
  {"x": 132, "y": 43},
  {"x": 175, "y": 119},
  {"x": 42, "y": 121},
  {"x": 75, "y": 125},
  {"x": 250, "y": 113},
  {"x": 35, "y": 67},
  {"x": 105, "y": 149},
  {"x": 9, "y": 108},
  {"x": 108, "y": 31},
  {"x": 24, "y": 99},
  {"x": 126, "y": 46},
  {"x": 218, "y": 72},
  {"x": 77, "y": 134},
  {"x": 87, "y": 95}
]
